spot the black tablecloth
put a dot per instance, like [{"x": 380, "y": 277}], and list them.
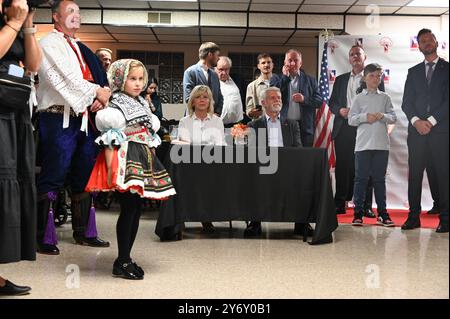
[{"x": 299, "y": 191}]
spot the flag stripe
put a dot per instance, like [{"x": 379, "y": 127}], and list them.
[{"x": 324, "y": 116}]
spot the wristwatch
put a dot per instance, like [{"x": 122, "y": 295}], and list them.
[{"x": 31, "y": 30}]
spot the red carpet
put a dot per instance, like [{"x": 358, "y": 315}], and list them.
[{"x": 398, "y": 217}]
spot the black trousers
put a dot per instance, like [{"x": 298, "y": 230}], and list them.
[
  {"x": 422, "y": 149},
  {"x": 344, "y": 145},
  {"x": 433, "y": 182}
]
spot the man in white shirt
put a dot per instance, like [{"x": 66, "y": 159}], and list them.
[
  {"x": 232, "y": 112},
  {"x": 70, "y": 89}
]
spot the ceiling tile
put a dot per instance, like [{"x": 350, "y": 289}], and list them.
[
  {"x": 223, "y": 31},
  {"x": 362, "y": 9},
  {"x": 420, "y": 10},
  {"x": 168, "y": 5},
  {"x": 276, "y": 3},
  {"x": 124, "y": 4},
  {"x": 88, "y": 4},
  {"x": 330, "y": 2},
  {"x": 270, "y": 7},
  {"x": 176, "y": 31},
  {"x": 220, "y": 40},
  {"x": 383, "y": 2},
  {"x": 238, "y": 6},
  {"x": 139, "y": 30},
  {"x": 269, "y": 33},
  {"x": 322, "y": 8}
]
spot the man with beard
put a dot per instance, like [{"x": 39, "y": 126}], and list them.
[
  {"x": 73, "y": 86},
  {"x": 280, "y": 132},
  {"x": 425, "y": 103},
  {"x": 203, "y": 73}
]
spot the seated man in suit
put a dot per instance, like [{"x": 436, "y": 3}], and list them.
[{"x": 273, "y": 130}]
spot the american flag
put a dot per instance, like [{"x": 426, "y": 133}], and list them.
[{"x": 324, "y": 117}]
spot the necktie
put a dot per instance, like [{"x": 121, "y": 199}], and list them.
[{"x": 430, "y": 72}]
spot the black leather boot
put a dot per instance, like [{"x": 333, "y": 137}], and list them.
[
  {"x": 80, "y": 207},
  {"x": 43, "y": 206}
]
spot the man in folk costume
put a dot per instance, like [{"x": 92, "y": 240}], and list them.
[{"x": 73, "y": 86}]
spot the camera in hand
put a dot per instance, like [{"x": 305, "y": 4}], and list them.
[{"x": 31, "y": 3}]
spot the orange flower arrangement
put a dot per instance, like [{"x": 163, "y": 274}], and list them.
[{"x": 239, "y": 130}]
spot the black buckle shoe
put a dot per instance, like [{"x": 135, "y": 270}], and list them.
[
  {"x": 253, "y": 230},
  {"x": 45, "y": 249},
  {"x": 139, "y": 270},
  {"x": 127, "y": 271},
  {"x": 10, "y": 289},
  {"x": 92, "y": 242},
  {"x": 411, "y": 223}
]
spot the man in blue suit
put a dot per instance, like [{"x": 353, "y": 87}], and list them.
[
  {"x": 425, "y": 103},
  {"x": 203, "y": 73},
  {"x": 300, "y": 95}
]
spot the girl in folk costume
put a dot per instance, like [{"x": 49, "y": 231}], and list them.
[{"x": 128, "y": 162}]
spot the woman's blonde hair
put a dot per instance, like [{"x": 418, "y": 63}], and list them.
[{"x": 196, "y": 92}]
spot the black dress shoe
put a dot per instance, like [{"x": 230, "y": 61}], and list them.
[
  {"x": 126, "y": 271},
  {"x": 411, "y": 223},
  {"x": 442, "y": 228},
  {"x": 299, "y": 229},
  {"x": 208, "y": 227},
  {"x": 253, "y": 230},
  {"x": 434, "y": 210},
  {"x": 92, "y": 242},
  {"x": 10, "y": 289},
  {"x": 47, "y": 249},
  {"x": 369, "y": 213}
]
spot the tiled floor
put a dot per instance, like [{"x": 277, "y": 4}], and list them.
[{"x": 366, "y": 262}]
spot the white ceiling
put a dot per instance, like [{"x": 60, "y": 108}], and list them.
[{"x": 240, "y": 19}]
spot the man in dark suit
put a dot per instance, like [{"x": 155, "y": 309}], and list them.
[
  {"x": 203, "y": 73},
  {"x": 344, "y": 135},
  {"x": 273, "y": 130},
  {"x": 425, "y": 103},
  {"x": 300, "y": 95}
]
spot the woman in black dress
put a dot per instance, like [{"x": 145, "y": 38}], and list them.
[{"x": 17, "y": 189}]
